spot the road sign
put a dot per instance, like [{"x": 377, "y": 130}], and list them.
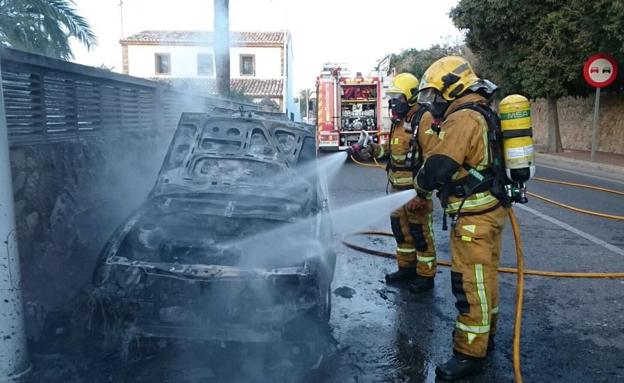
[{"x": 600, "y": 70}]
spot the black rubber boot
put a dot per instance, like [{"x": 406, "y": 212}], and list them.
[
  {"x": 422, "y": 284},
  {"x": 459, "y": 366},
  {"x": 403, "y": 274}
]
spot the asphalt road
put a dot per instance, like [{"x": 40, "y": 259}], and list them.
[{"x": 573, "y": 329}]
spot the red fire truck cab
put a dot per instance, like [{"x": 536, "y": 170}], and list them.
[{"x": 346, "y": 106}]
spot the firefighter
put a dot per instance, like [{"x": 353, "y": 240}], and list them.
[
  {"x": 459, "y": 167},
  {"x": 412, "y": 135}
]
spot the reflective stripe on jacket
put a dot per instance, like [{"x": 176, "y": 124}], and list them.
[
  {"x": 462, "y": 141},
  {"x": 398, "y": 147}
]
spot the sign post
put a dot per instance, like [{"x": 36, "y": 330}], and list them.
[
  {"x": 599, "y": 71},
  {"x": 595, "y": 125}
]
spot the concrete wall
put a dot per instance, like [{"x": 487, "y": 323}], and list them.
[
  {"x": 575, "y": 121},
  {"x": 184, "y": 60},
  {"x": 69, "y": 198}
]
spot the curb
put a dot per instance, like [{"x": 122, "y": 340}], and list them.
[{"x": 550, "y": 159}]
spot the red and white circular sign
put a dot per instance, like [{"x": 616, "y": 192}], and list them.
[{"x": 600, "y": 70}]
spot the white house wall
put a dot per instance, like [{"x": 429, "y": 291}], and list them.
[
  {"x": 184, "y": 60},
  {"x": 289, "y": 91},
  {"x": 268, "y": 61}
]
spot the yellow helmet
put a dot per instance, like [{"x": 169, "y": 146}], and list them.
[
  {"x": 451, "y": 76},
  {"x": 404, "y": 83}
]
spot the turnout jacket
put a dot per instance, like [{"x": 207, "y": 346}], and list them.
[
  {"x": 399, "y": 145},
  {"x": 462, "y": 142}
]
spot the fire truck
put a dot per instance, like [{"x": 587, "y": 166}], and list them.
[{"x": 346, "y": 106}]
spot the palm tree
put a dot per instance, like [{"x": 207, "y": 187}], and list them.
[{"x": 43, "y": 26}]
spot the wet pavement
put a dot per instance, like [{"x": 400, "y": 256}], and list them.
[{"x": 573, "y": 330}]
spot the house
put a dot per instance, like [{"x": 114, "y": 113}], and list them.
[{"x": 260, "y": 63}]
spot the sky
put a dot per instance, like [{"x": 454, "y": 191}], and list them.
[{"x": 355, "y": 32}]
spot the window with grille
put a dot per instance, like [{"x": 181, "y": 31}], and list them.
[
  {"x": 247, "y": 65},
  {"x": 205, "y": 64},
  {"x": 163, "y": 63}
]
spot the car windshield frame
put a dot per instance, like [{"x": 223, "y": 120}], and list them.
[{"x": 278, "y": 170}]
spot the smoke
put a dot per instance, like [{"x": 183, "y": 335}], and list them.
[
  {"x": 286, "y": 305},
  {"x": 127, "y": 167},
  {"x": 298, "y": 242}
]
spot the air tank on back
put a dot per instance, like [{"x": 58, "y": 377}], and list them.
[{"x": 515, "y": 116}]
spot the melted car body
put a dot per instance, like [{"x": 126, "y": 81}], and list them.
[{"x": 232, "y": 244}]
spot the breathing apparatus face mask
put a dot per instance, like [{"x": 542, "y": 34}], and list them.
[
  {"x": 484, "y": 87},
  {"x": 398, "y": 106},
  {"x": 433, "y": 100}
]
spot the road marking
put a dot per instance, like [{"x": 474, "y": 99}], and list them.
[
  {"x": 574, "y": 230},
  {"x": 582, "y": 174}
]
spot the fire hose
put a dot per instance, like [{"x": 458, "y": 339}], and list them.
[
  {"x": 545, "y": 199},
  {"x": 519, "y": 270}
]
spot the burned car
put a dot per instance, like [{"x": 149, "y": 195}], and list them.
[{"x": 232, "y": 244}]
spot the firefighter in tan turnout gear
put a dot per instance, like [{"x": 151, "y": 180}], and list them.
[
  {"x": 412, "y": 136},
  {"x": 460, "y": 168}
]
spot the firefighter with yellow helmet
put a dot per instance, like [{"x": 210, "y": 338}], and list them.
[
  {"x": 460, "y": 168},
  {"x": 412, "y": 136}
]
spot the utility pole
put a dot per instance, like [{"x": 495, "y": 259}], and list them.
[
  {"x": 222, "y": 45},
  {"x": 121, "y": 18},
  {"x": 14, "y": 361},
  {"x": 307, "y": 104}
]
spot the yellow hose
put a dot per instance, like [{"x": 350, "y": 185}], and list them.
[
  {"x": 517, "y": 330},
  {"x": 545, "y": 199},
  {"x": 507, "y": 270},
  {"x": 367, "y": 165},
  {"x": 576, "y": 209},
  {"x": 519, "y": 270},
  {"x": 378, "y": 164},
  {"x": 566, "y": 183}
]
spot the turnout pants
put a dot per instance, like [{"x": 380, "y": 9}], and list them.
[
  {"x": 414, "y": 236},
  {"x": 475, "y": 251}
]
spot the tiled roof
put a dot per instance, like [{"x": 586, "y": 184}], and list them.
[
  {"x": 258, "y": 87},
  {"x": 204, "y": 37},
  {"x": 254, "y": 87}
]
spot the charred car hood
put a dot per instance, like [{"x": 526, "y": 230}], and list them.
[
  {"x": 238, "y": 157},
  {"x": 227, "y": 189},
  {"x": 207, "y": 148}
]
